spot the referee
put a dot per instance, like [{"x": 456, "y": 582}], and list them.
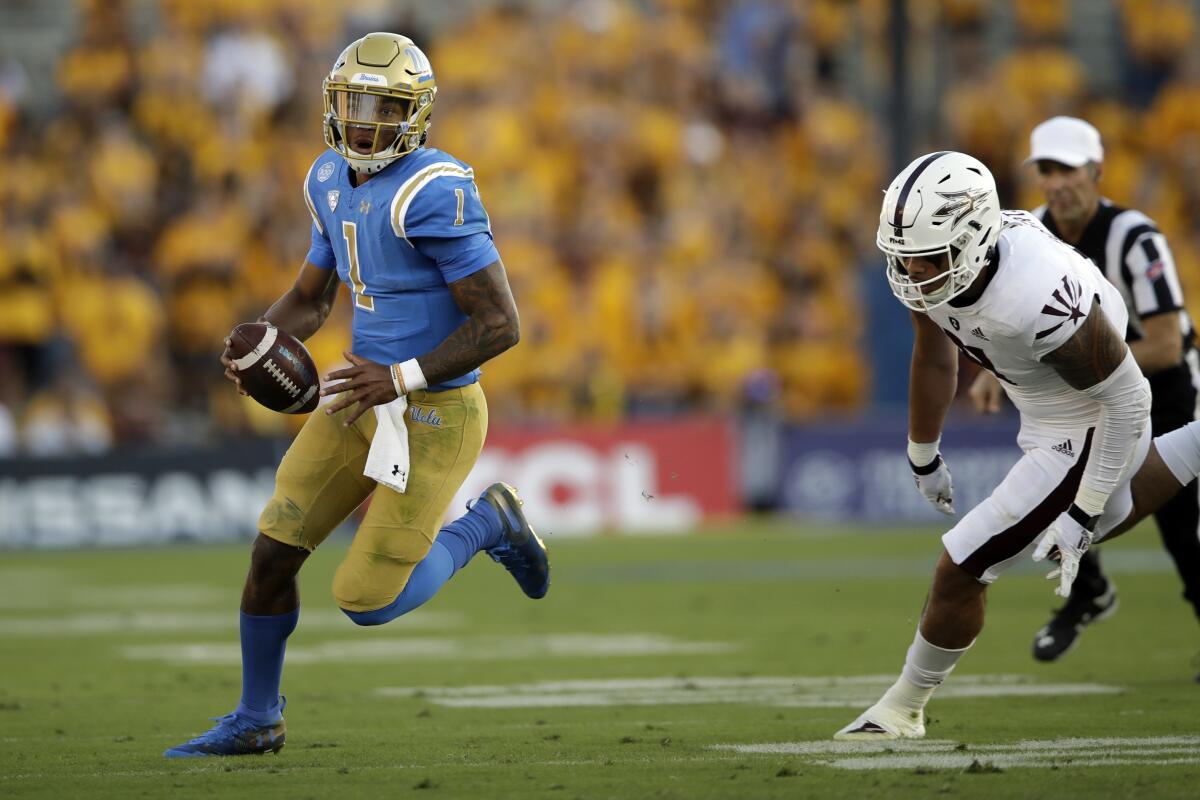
[{"x": 1127, "y": 247}]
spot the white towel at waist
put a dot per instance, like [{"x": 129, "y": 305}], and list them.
[{"x": 387, "y": 461}]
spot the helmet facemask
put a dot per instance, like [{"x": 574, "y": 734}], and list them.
[
  {"x": 385, "y": 122},
  {"x": 961, "y": 273}
]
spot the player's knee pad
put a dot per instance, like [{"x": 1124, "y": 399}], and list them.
[
  {"x": 283, "y": 520},
  {"x": 377, "y": 567}
]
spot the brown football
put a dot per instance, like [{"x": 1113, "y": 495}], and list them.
[{"x": 274, "y": 368}]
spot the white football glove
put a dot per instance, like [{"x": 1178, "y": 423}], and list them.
[
  {"x": 1067, "y": 538},
  {"x": 933, "y": 481}
]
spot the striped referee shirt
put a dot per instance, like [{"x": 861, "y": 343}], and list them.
[{"x": 1133, "y": 255}]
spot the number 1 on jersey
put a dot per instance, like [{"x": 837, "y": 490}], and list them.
[
  {"x": 361, "y": 298},
  {"x": 462, "y": 201}
]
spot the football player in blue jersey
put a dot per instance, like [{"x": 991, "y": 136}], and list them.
[{"x": 403, "y": 226}]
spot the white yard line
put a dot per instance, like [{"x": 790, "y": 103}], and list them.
[
  {"x": 783, "y": 692},
  {"x": 945, "y": 754},
  {"x": 481, "y": 648}
]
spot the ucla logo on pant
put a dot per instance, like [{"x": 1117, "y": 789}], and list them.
[{"x": 425, "y": 416}]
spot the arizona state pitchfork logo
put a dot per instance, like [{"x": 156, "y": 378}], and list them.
[{"x": 959, "y": 204}]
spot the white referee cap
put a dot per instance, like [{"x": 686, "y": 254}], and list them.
[{"x": 1066, "y": 140}]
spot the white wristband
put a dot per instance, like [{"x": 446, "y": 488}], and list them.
[
  {"x": 922, "y": 454},
  {"x": 408, "y": 377}
]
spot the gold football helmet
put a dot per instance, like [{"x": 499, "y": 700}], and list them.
[{"x": 378, "y": 98}]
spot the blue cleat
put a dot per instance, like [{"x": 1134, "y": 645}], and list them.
[
  {"x": 521, "y": 551},
  {"x": 234, "y": 735}
]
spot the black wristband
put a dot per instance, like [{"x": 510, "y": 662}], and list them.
[
  {"x": 929, "y": 468},
  {"x": 1083, "y": 518}
]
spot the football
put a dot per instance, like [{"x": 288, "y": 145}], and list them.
[{"x": 274, "y": 368}]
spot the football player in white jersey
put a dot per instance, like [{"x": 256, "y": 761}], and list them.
[{"x": 1000, "y": 288}]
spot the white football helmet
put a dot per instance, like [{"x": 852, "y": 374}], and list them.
[{"x": 940, "y": 203}]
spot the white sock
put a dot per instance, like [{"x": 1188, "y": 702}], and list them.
[
  {"x": 925, "y": 667},
  {"x": 1180, "y": 451}
]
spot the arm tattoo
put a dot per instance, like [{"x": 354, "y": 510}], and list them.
[
  {"x": 492, "y": 326},
  {"x": 1091, "y": 354}
]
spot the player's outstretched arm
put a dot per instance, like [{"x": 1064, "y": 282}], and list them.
[
  {"x": 1096, "y": 361},
  {"x": 492, "y": 325}
]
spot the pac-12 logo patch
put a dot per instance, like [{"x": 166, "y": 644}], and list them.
[
  {"x": 325, "y": 171},
  {"x": 332, "y": 198}
]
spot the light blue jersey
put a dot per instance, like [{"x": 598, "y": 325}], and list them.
[{"x": 397, "y": 241}]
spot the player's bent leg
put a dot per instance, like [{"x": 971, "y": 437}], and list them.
[
  {"x": 991, "y": 537},
  {"x": 377, "y": 567},
  {"x": 494, "y": 523},
  {"x": 426, "y": 579},
  {"x": 953, "y": 617},
  {"x": 394, "y": 564}
]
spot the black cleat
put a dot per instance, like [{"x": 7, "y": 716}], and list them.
[
  {"x": 1059, "y": 635},
  {"x": 521, "y": 551}
]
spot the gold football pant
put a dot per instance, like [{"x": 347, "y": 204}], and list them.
[{"x": 320, "y": 482}]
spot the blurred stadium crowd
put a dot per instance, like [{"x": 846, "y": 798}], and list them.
[{"x": 684, "y": 191}]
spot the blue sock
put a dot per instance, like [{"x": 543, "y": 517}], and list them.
[
  {"x": 478, "y": 529},
  {"x": 427, "y": 577},
  {"x": 263, "y": 641}
]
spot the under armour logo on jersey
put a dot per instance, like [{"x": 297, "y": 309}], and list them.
[
  {"x": 1064, "y": 302},
  {"x": 978, "y": 333},
  {"x": 363, "y": 206},
  {"x": 959, "y": 204}
]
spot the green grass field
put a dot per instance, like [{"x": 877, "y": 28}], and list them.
[{"x": 709, "y": 666}]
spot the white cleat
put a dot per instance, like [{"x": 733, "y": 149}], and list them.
[{"x": 880, "y": 722}]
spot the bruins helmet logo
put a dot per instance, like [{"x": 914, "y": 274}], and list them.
[{"x": 378, "y": 99}]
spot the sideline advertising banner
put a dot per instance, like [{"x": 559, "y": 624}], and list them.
[
  {"x": 638, "y": 477},
  {"x": 859, "y": 472},
  {"x": 575, "y": 480},
  {"x": 136, "y": 498}
]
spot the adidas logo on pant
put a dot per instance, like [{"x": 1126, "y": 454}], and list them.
[{"x": 1065, "y": 448}]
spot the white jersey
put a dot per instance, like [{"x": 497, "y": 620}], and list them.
[{"x": 1040, "y": 292}]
